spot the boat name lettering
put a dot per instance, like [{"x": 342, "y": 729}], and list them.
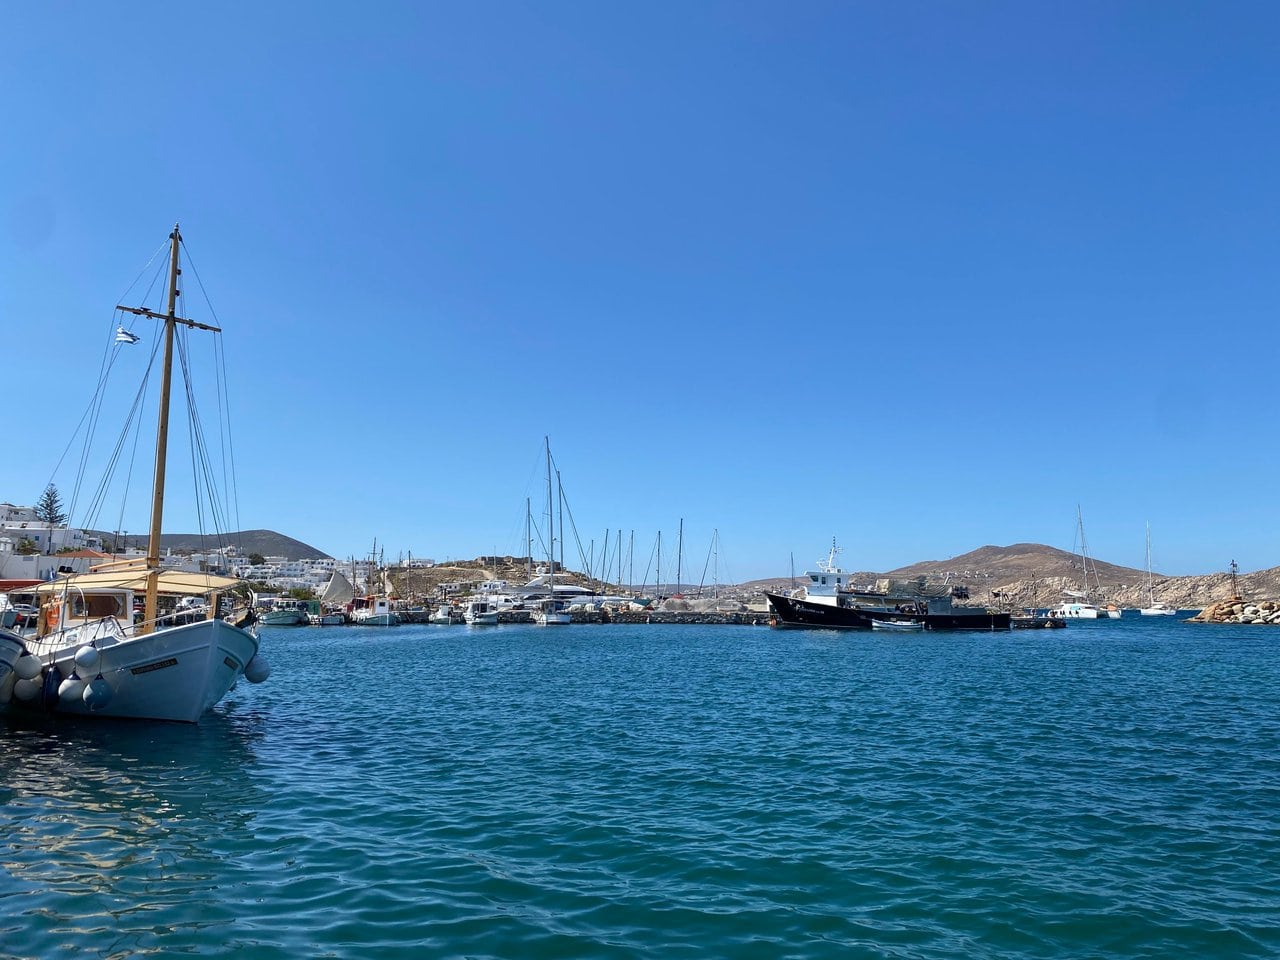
[
  {"x": 158, "y": 665},
  {"x": 231, "y": 663}
]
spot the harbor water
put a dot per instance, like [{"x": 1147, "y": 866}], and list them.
[{"x": 1111, "y": 790}]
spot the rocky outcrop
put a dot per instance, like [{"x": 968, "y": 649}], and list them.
[{"x": 1240, "y": 611}]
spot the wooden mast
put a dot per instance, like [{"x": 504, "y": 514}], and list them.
[
  {"x": 171, "y": 321},
  {"x": 162, "y": 442}
]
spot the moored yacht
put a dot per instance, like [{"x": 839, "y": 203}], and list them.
[{"x": 1154, "y": 607}]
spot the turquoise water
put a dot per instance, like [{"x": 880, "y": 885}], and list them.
[{"x": 1108, "y": 790}]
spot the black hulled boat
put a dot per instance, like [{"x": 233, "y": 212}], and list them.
[{"x": 830, "y": 604}]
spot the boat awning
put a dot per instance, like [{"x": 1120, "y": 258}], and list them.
[{"x": 171, "y": 581}]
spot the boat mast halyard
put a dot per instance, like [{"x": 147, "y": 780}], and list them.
[{"x": 171, "y": 320}]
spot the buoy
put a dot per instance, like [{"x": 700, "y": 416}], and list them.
[
  {"x": 71, "y": 689},
  {"x": 27, "y": 667},
  {"x": 257, "y": 669},
  {"x": 28, "y": 688},
  {"x": 87, "y": 658},
  {"x": 97, "y": 693}
]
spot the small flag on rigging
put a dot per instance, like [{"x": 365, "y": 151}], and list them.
[{"x": 124, "y": 336}]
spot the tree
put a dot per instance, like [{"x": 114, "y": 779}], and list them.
[
  {"x": 49, "y": 507},
  {"x": 257, "y": 559},
  {"x": 26, "y": 547}
]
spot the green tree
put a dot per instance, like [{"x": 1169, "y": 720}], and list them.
[
  {"x": 257, "y": 559},
  {"x": 49, "y": 507},
  {"x": 26, "y": 546},
  {"x": 301, "y": 593}
]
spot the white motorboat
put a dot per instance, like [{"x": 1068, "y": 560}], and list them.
[
  {"x": 285, "y": 612},
  {"x": 90, "y": 653},
  {"x": 374, "y": 612},
  {"x": 480, "y": 613},
  {"x": 442, "y": 615},
  {"x": 549, "y": 613}
]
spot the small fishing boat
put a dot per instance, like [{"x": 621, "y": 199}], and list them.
[
  {"x": 443, "y": 615},
  {"x": 480, "y": 613},
  {"x": 285, "y": 612},
  {"x": 374, "y": 612},
  {"x": 901, "y": 626}
]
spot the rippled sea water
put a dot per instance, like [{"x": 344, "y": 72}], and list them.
[{"x": 1108, "y": 790}]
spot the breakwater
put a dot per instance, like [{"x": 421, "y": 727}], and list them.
[{"x": 1240, "y": 611}]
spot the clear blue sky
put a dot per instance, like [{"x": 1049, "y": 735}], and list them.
[{"x": 921, "y": 276}]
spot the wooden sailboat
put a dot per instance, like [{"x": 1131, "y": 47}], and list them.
[
  {"x": 90, "y": 655},
  {"x": 1154, "y": 607}
]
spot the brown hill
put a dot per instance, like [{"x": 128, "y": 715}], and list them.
[
  {"x": 427, "y": 581},
  {"x": 1018, "y": 561}
]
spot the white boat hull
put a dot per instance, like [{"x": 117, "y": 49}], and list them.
[
  {"x": 283, "y": 618},
  {"x": 379, "y": 620},
  {"x": 176, "y": 673},
  {"x": 1157, "y": 612},
  {"x": 482, "y": 619},
  {"x": 545, "y": 618}
]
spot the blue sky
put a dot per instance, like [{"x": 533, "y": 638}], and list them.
[{"x": 921, "y": 276}]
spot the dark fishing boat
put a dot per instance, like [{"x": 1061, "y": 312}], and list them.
[{"x": 829, "y": 603}]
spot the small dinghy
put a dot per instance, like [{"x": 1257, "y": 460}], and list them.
[{"x": 898, "y": 625}]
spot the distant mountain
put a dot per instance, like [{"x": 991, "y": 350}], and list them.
[
  {"x": 266, "y": 542},
  {"x": 1018, "y": 561}
]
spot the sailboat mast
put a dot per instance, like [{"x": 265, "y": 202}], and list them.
[
  {"x": 1151, "y": 583},
  {"x": 528, "y": 540},
  {"x": 715, "y": 567},
  {"x": 162, "y": 440},
  {"x": 679, "y": 555},
  {"x": 551, "y": 526}
]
